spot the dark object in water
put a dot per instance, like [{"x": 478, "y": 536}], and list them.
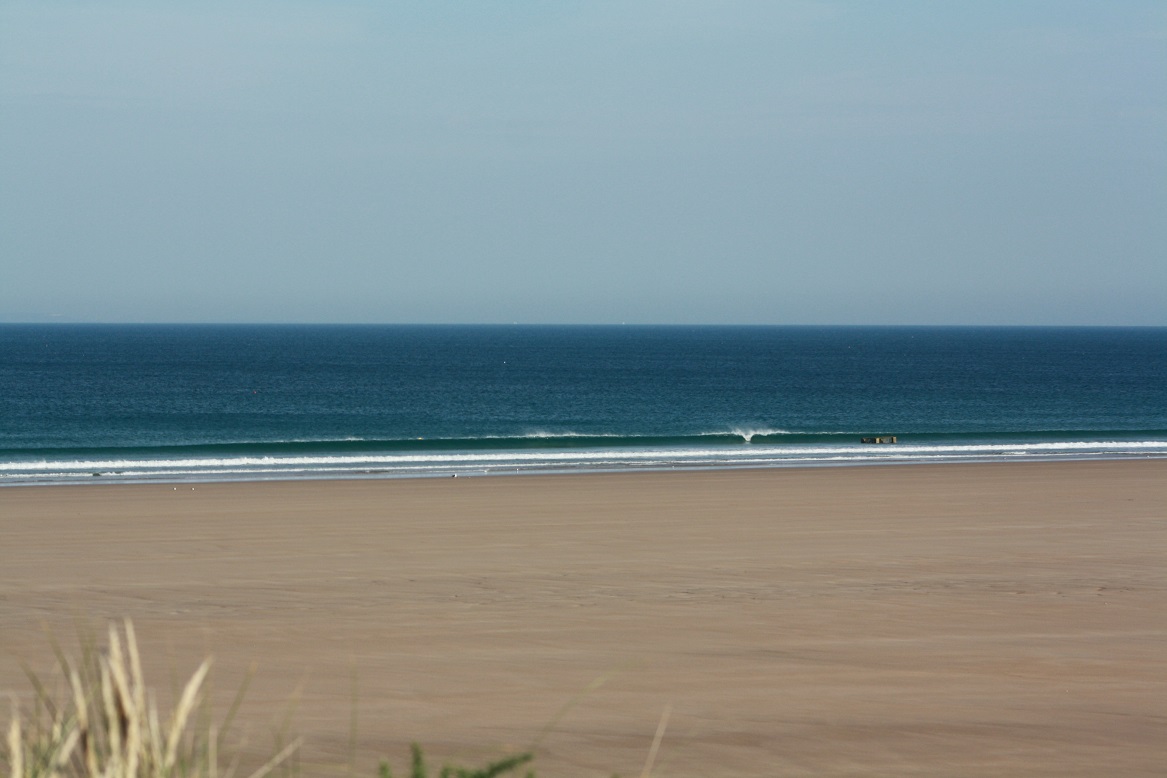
[{"x": 879, "y": 439}]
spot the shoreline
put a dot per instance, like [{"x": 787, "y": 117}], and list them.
[
  {"x": 940, "y": 619},
  {"x": 886, "y": 459}
]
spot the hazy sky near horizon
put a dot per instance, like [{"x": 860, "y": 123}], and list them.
[{"x": 679, "y": 161}]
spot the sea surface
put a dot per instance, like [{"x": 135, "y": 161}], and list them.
[{"x": 210, "y": 402}]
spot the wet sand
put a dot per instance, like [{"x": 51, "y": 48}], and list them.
[{"x": 988, "y": 619}]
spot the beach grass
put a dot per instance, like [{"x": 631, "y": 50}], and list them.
[
  {"x": 106, "y": 724},
  {"x": 419, "y": 769}
]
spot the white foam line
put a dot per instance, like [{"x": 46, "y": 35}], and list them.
[{"x": 756, "y": 453}]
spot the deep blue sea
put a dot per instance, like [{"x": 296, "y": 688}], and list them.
[{"x": 209, "y": 402}]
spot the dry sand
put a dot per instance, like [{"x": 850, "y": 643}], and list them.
[{"x": 992, "y": 619}]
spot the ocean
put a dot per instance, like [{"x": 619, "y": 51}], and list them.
[{"x": 234, "y": 402}]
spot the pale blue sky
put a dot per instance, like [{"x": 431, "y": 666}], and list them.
[{"x": 673, "y": 162}]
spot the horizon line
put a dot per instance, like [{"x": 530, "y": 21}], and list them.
[{"x": 741, "y": 325}]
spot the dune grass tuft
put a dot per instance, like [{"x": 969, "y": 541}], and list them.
[
  {"x": 108, "y": 725},
  {"x": 418, "y": 767}
]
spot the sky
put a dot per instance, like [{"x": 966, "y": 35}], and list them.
[{"x": 658, "y": 161}]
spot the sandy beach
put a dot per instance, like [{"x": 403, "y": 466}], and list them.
[{"x": 931, "y": 620}]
